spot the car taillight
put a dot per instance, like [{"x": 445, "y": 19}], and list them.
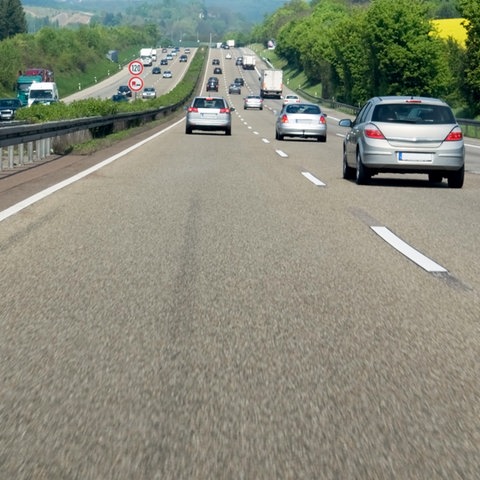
[
  {"x": 224, "y": 110},
  {"x": 322, "y": 120},
  {"x": 284, "y": 119},
  {"x": 455, "y": 135},
  {"x": 372, "y": 131},
  {"x": 192, "y": 109}
]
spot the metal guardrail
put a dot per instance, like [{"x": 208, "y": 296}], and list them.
[{"x": 25, "y": 144}]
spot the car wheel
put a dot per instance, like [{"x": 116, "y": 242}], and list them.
[
  {"x": 362, "y": 175},
  {"x": 322, "y": 139},
  {"x": 348, "y": 172},
  {"x": 435, "y": 177},
  {"x": 228, "y": 131},
  {"x": 244, "y": 108},
  {"x": 278, "y": 136},
  {"x": 455, "y": 179},
  {"x": 261, "y": 108},
  {"x": 188, "y": 130}
]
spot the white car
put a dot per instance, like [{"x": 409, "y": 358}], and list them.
[
  {"x": 149, "y": 92},
  {"x": 167, "y": 74},
  {"x": 253, "y": 101},
  {"x": 229, "y": 56},
  {"x": 291, "y": 98}
]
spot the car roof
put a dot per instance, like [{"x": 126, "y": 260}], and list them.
[{"x": 407, "y": 98}]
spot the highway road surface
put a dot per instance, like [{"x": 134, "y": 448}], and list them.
[{"x": 213, "y": 307}]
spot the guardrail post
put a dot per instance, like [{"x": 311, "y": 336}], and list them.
[
  {"x": 20, "y": 153},
  {"x": 1, "y": 159},
  {"x": 10, "y": 156},
  {"x": 39, "y": 149},
  {"x": 30, "y": 152}
]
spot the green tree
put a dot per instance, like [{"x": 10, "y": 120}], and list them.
[
  {"x": 404, "y": 58},
  {"x": 12, "y": 18},
  {"x": 471, "y": 12}
]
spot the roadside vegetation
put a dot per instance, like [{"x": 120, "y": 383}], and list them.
[{"x": 356, "y": 50}]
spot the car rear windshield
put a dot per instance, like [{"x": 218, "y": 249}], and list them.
[
  {"x": 209, "y": 103},
  {"x": 413, "y": 113},
  {"x": 308, "y": 109}
]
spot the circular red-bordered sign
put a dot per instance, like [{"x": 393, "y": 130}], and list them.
[
  {"x": 135, "y": 84},
  {"x": 135, "y": 67}
]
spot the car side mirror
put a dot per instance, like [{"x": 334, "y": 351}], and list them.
[{"x": 346, "y": 122}]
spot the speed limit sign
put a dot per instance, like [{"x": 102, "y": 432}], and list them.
[
  {"x": 135, "y": 84},
  {"x": 135, "y": 67}
]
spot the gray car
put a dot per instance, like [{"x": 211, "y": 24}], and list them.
[
  {"x": 209, "y": 113},
  {"x": 305, "y": 120},
  {"x": 402, "y": 134},
  {"x": 235, "y": 88}
]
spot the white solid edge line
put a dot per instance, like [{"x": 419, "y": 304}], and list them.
[
  {"x": 313, "y": 179},
  {"x": 414, "y": 255},
  {"x": 54, "y": 188}
]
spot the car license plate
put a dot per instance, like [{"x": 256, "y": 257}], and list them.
[
  {"x": 300, "y": 120},
  {"x": 414, "y": 157},
  {"x": 208, "y": 115}
]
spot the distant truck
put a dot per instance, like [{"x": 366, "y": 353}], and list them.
[
  {"x": 231, "y": 43},
  {"x": 27, "y": 78},
  {"x": 271, "y": 83},
  {"x": 146, "y": 56},
  {"x": 45, "y": 93},
  {"x": 248, "y": 62}
]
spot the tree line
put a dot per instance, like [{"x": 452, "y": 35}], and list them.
[{"x": 381, "y": 47}]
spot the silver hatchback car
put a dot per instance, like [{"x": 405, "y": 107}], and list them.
[
  {"x": 401, "y": 134},
  {"x": 305, "y": 120},
  {"x": 209, "y": 113}
]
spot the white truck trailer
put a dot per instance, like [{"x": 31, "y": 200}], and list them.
[
  {"x": 146, "y": 56},
  {"x": 248, "y": 62},
  {"x": 271, "y": 83}
]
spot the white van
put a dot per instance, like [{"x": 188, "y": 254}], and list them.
[{"x": 43, "y": 92}]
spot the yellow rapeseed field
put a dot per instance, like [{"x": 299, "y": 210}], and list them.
[{"x": 451, "y": 28}]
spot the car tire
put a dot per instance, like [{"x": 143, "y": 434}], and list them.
[
  {"x": 278, "y": 136},
  {"x": 456, "y": 178},
  {"x": 362, "y": 176},
  {"x": 322, "y": 139},
  {"x": 228, "y": 131},
  {"x": 348, "y": 172},
  {"x": 188, "y": 130},
  {"x": 261, "y": 108}
]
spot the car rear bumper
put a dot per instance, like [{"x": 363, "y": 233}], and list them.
[
  {"x": 305, "y": 131},
  {"x": 451, "y": 157}
]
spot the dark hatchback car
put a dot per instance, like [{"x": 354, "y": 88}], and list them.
[
  {"x": 217, "y": 71},
  {"x": 156, "y": 70},
  {"x": 8, "y": 108},
  {"x": 124, "y": 90},
  {"x": 212, "y": 87}
]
